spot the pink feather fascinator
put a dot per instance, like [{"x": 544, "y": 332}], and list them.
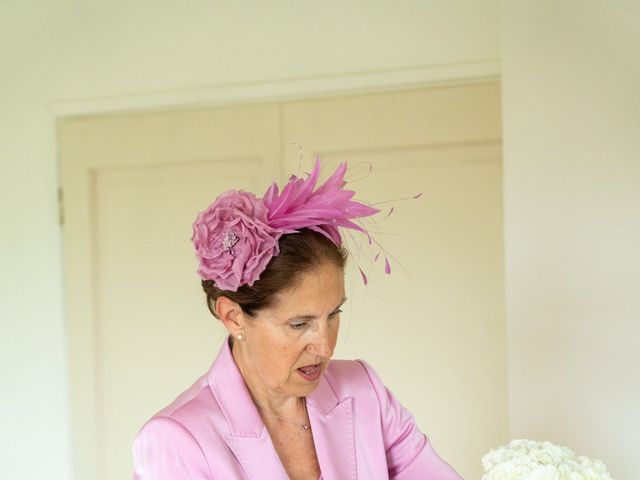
[{"x": 237, "y": 235}]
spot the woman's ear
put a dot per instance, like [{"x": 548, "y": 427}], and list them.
[{"x": 230, "y": 315}]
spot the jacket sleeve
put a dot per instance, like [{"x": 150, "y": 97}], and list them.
[
  {"x": 410, "y": 455},
  {"x": 165, "y": 450}
]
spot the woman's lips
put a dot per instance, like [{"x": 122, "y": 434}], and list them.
[{"x": 310, "y": 373}]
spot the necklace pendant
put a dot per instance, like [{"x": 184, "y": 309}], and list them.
[{"x": 305, "y": 427}]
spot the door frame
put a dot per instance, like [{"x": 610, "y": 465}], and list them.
[{"x": 225, "y": 95}]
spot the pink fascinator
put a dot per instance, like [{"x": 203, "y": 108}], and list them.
[{"x": 236, "y": 237}]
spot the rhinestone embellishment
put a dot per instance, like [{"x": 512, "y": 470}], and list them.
[{"x": 229, "y": 240}]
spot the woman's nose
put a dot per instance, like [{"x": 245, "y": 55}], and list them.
[{"x": 321, "y": 344}]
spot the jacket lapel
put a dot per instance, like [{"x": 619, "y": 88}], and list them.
[
  {"x": 247, "y": 438},
  {"x": 333, "y": 434},
  {"x": 257, "y": 456}
]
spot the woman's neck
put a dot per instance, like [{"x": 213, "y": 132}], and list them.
[{"x": 265, "y": 399}]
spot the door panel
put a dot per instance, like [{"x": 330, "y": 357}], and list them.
[{"x": 139, "y": 329}]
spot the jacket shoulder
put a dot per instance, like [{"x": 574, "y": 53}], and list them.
[
  {"x": 191, "y": 398},
  {"x": 195, "y": 409},
  {"x": 349, "y": 377}
]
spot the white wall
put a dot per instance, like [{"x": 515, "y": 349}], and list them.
[
  {"x": 571, "y": 176},
  {"x": 571, "y": 100},
  {"x": 112, "y": 54}
]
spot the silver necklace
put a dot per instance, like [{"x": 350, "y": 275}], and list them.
[{"x": 304, "y": 426}]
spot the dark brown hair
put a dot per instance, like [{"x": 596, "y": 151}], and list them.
[{"x": 299, "y": 253}]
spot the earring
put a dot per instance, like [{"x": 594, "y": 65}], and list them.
[{"x": 239, "y": 337}]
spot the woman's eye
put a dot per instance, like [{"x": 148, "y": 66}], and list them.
[
  {"x": 298, "y": 326},
  {"x": 337, "y": 312}
]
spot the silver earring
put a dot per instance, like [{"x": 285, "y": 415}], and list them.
[{"x": 239, "y": 337}]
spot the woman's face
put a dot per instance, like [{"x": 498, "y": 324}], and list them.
[{"x": 287, "y": 346}]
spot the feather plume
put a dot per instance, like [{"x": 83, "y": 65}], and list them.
[{"x": 300, "y": 205}]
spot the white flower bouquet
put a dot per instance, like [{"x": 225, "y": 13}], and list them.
[{"x": 529, "y": 460}]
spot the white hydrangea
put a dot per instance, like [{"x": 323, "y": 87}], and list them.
[{"x": 529, "y": 460}]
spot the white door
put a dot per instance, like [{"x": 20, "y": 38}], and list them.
[{"x": 139, "y": 330}]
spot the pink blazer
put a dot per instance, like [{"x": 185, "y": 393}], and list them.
[{"x": 213, "y": 431}]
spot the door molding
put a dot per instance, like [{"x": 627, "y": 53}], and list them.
[{"x": 285, "y": 88}]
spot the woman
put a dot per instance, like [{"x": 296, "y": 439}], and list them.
[{"x": 274, "y": 405}]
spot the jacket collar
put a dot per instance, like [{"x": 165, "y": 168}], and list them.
[
  {"x": 331, "y": 422},
  {"x": 229, "y": 389}
]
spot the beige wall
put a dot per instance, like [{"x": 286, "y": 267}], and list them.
[
  {"x": 112, "y": 54},
  {"x": 571, "y": 101}
]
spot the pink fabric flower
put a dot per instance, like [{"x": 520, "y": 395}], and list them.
[{"x": 233, "y": 240}]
